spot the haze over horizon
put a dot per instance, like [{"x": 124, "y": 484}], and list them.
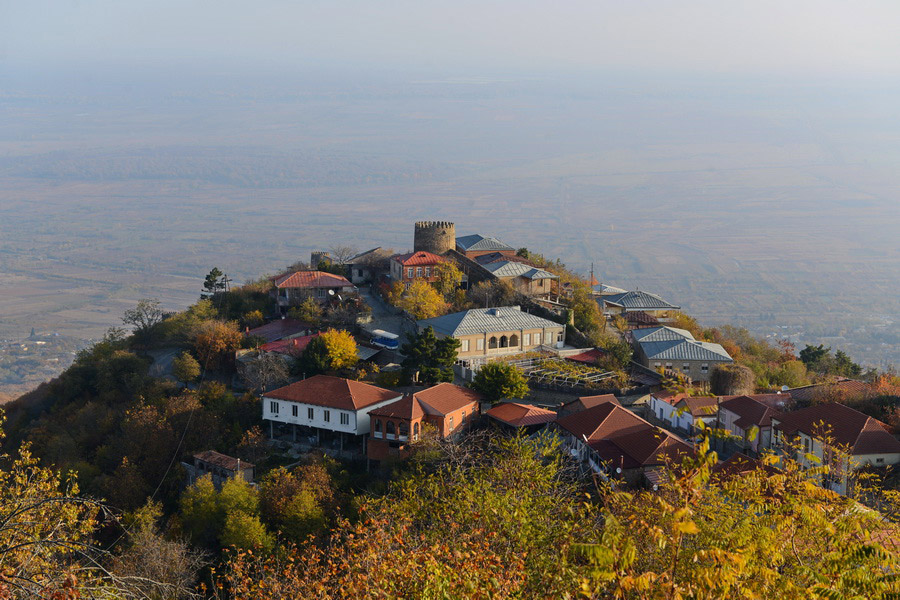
[{"x": 741, "y": 159}]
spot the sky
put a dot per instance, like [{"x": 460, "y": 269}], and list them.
[{"x": 814, "y": 37}]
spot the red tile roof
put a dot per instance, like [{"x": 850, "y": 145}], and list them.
[
  {"x": 294, "y": 346},
  {"x": 668, "y": 397},
  {"x": 521, "y": 415},
  {"x": 311, "y": 280},
  {"x": 845, "y": 426},
  {"x": 750, "y": 411},
  {"x": 332, "y": 392},
  {"x": 406, "y": 408},
  {"x": 223, "y": 461},
  {"x": 641, "y": 318},
  {"x": 700, "y": 406},
  {"x": 586, "y": 402},
  {"x": 445, "y": 398},
  {"x": 420, "y": 258},
  {"x": 823, "y": 391},
  {"x": 589, "y": 357},
  {"x": 601, "y": 421},
  {"x": 279, "y": 328}
]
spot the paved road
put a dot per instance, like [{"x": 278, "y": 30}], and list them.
[{"x": 385, "y": 317}]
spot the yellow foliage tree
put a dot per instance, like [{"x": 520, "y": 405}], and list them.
[
  {"x": 340, "y": 347},
  {"x": 420, "y": 300},
  {"x": 448, "y": 277},
  {"x": 215, "y": 341}
]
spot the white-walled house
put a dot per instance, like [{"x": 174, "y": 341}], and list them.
[
  {"x": 662, "y": 405},
  {"x": 324, "y": 409},
  {"x": 839, "y": 436}
]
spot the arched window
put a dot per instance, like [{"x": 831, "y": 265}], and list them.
[
  {"x": 416, "y": 431},
  {"x": 492, "y": 343},
  {"x": 504, "y": 341},
  {"x": 378, "y": 426},
  {"x": 404, "y": 429},
  {"x": 514, "y": 341},
  {"x": 389, "y": 429}
]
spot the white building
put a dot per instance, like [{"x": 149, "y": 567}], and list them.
[{"x": 324, "y": 410}]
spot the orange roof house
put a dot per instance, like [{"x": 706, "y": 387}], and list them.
[
  {"x": 517, "y": 416},
  {"x": 293, "y": 288}
]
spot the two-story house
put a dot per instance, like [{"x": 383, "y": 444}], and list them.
[
  {"x": 676, "y": 350},
  {"x": 748, "y": 419},
  {"x": 324, "y": 410},
  {"x": 447, "y": 408},
  {"x": 525, "y": 279},
  {"x": 475, "y": 245},
  {"x": 488, "y": 332},
  {"x": 413, "y": 266},
  {"x": 293, "y": 288},
  {"x": 838, "y": 436}
]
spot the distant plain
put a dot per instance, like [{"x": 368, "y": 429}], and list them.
[{"x": 772, "y": 206}]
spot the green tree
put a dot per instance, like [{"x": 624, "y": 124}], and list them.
[
  {"x": 813, "y": 356},
  {"x": 616, "y": 353},
  {"x": 215, "y": 281},
  {"x": 185, "y": 368},
  {"x": 447, "y": 279},
  {"x": 429, "y": 359},
  {"x": 844, "y": 366},
  {"x": 144, "y": 317},
  {"x": 497, "y": 381},
  {"x": 211, "y": 516},
  {"x": 308, "y": 311},
  {"x": 298, "y": 503}
]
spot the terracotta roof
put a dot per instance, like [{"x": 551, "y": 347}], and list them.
[
  {"x": 668, "y": 397},
  {"x": 648, "y": 446},
  {"x": 601, "y": 421},
  {"x": 700, "y": 406},
  {"x": 521, "y": 415},
  {"x": 750, "y": 411},
  {"x": 822, "y": 391},
  {"x": 418, "y": 258},
  {"x": 293, "y": 346},
  {"x": 311, "y": 279},
  {"x": 847, "y": 427},
  {"x": 223, "y": 461},
  {"x": 332, "y": 392},
  {"x": 444, "y": 398},
  {"x": 407, "y": 408},
  {"x": 739, "y": 464},
  {"x": 589, "y": 357},
  {"x": 586, "y": 402},
  {"x": 641, "y": 318},
  {"x": 279, "y": 328}
]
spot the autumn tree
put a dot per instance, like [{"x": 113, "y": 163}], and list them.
[
  {"x": 299, "y": 502},
  {"x": 229, "y": 516},
  {"x": 497, "y": 381},
  {"x": 308, "y": 311},
  {"x": 429, "y": 359},
  {"x": 268, "y": 371},
  {"x": 487, "y": 294},
  {"x": 185, "y": 368},
  {"x": 731, "y": 379},
  {"x": 448, "y": 277},
  {"x": 329, "y": 351},
  {"x": 144, "y": 317},
  {"x": 420, "y": 299},
  {"x": 216, "y": 341}
]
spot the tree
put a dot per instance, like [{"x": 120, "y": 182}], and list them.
[
  {"x": 144, "y": 317},
  {"x": 245, "y": 532},
  {"x": 340, "y": 254},
  {"x": 215, "y": 281},
  {"x": 216, "y": 341},
  {"x": 497, "y": 381},
  {"x": 731, "y": 380},
  {"x": 268, "y": 371},
  {"x": 329, "y": 351},
  {"x": 487, "y": 294},
  {"x": 843, "y": 366},
  {"x": 185, "y": 368},
  {"x": 254, "y": 318},
  {"x": 420, "y": 300},
  {"x": 229, "y": 516},
  {"x": 812, "y": 356},
  {"x": 298, "y": 503},
  {"x": 616, "y": 353},
  {"x": 308, "y": 311},
  {"x": 447, "y": 279},
  {"x": 429, "y": 359}
]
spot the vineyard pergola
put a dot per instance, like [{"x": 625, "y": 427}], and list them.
[{"x": 558, "y": 372}]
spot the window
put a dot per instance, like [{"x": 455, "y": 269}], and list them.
[
  {"x": 415, "y": 431},
  {"x": 310, "y": 414},
  {"x": 514, "y": 341},
  {"x": 345, "y": 418},
  {"x": 668, "y": 365},
  {"x": 427, "y": 271},
  {"x": 492, "y": 343},
  {"x": 464, "y": 346},
  {"x": 294, "y": 410},
  {"x": 273, "y": 408},
  {"x": 409, "y": 273},
  {"x": 450, "y": 422},
  {"x": 660, "y": 414},
  {"x": 548, "y": 337},
  {"x": 403, "y": 429},
  {"x": 559, "y": 336},
  {"x": 418, "y": 271},
  {"x": 479, "y": 344},
  {"x": 463, "y": 418},
  {"x": 879, "y": 460},
  {"x": 657, "y": 364},
  {"x": 526, "y": 339},
  {"x": 704, "y": 368},
  {"x": 326, "y": 416},
  {"x": 504, "y": 341},
  {"x": 389, "y": 429},
  {"x": 686, "y": 367},
  {"x": 377, "y": 427}
]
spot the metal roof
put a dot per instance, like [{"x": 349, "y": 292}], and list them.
[
  {"x": 476, "y": 242},
  {"x": 661, "y": 334},
  {"x": 602, "y": 288},
  {"x": 516, "y": 269},
  {"x": 486, "y": 320},
  {"x": 682, "y": 349},
  {"x": 639, "y": 301}
]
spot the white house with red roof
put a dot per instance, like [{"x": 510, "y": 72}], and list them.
[
  {"x": 838, "y": 436},
  {"x": 748, "y": 419},
  {"x": 324, "y": 407}
]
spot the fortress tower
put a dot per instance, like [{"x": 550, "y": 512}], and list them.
[{"x": 436, "y": 237}]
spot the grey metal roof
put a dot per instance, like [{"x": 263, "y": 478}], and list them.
[
  {"x": 486, "y": 320},
  {"x": 362, "y": 255},
  {"x": 516, "y": 269},
  {"x": 682, "y": 349},
  {"x": 607, "y": 290},
  {"x": 639, "y": 301},
  {"x": 476, "y": 242},
  {"x": 661, "y": 334}
]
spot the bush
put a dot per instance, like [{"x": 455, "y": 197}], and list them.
[{"x": 731, "y": 380}]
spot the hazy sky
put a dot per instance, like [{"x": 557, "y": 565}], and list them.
[{"x": 720, "y": 36}]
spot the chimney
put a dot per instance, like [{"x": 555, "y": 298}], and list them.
[
  {"x": 296, "y": 343},
  {"x": 247, "y": 329}
]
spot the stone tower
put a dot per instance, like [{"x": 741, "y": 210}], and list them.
[{"x": 436, "y": 237}]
